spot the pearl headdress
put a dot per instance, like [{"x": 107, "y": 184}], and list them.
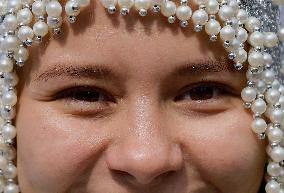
[{"x": 235, "y": 22}]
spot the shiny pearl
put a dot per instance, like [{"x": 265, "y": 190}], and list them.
[
  {"x": 200, "y": 2},
  {"x": 255, "y": 59},
  {"x": 258, "y": 106},
  {"x": 126, "y": 3},
  {"x": 40, "y": 28},
  {"x": 11, "y": 188},
  {"x": 183, "y": 12},
  {"x": 84, "y": 3},
  {"x": 234, "y": 5},
  {"x": 142, "y": 4},
  {"x": 24, "y": 16},
  {"x": 242, "y": 16},
  {"x": 259, "y": 125},
  {"x": 273, "y": 169},
  {"x": 241, "y": 55},
  {"x": 54, "y": 8},
  {"x": 10, "y": 22},
  {"x": 6, "y": 64},
  {"x": 268, "y": 76},
  {"x": 212, "y": 27},
  {"x": 11, "y": 171},
  {"x": 277, "y": 2},
  {"x": 38, "y": 8},
  {"x": 252, "y": 23},
  {"x": 212, "y": 7},
  {"x": 9, "y": 131},
  {"x": 9, "y": 98},
  {"x": 270, "y": 39},
  {"x": 275, "y": 135},
  {"x": 227, "y": 33},
  {"x": 168, "y": 8},
  {"x": 109, "y": 3},
  {"x": 10, "y": 43},
  {"x": 226, "y": 12},
  {"x": 277, "y": 154},
  {"x": 25, "y": 33},
  {"x": 281, "y": 100},
  {"x": 21, "y": 54},
  {"x": 267, "y": 58},
  {"x": 272, "y": 187},
  {"x": 276, "y": 84},
  {"x": 272, "y": 96},
  {"x": 10, "y": 114},
  {"x": 3, "y": 7},
  {"x": 69, "y": 9},
  {"x": 200, "y": 17},
  {"x": 248, "y": 94},
  {"x": 242, "y": 35},
  {"x": 281, "y": 34},
  {"x": 14, "y": 5},
  {"x": 52, "y": 24},
  {"x": 276, "y": 115},
  {"x": 27, "y": 2},
  {"x": 256, "y": 39}
]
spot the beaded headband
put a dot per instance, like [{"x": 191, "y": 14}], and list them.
[{"x": 235, "y": 22}]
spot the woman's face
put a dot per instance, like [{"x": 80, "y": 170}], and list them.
[{"x": 134, "y": 105}]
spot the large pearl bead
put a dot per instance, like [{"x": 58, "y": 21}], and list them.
[
  {"x": 212, "y": 27},
  {"x": 252, "y": 23},
  {"x": 273, "y": 169},
  {"x": 24, "y": 16},
  {"x": 226, "y": 12},
  {"x": 275, "y": 135},
  {"x": 270, "y": 39},
  {"x": 54, "y": 8},
  {"x": 256, "y": 39},
  {"x": 248, "y": 94},
  {"x": 109, "y": 3},
  {"x": 9, "y": 131},
  {"x": 255, "y": 59},
  {"x": 69, "y": 9},
  {"x": 9, "y": 98},
  {"x": 242, "y": 35},
  {"x": 183, "y": 12},
  {"x": 258, "y": 106},
  {"x": 38, "y": 8},
  {"x": 200, "y": 17},
  {"x": 212, "y": 7},
  {"x": 272, "y": 96},
  {"x": 142, "y": 4},
  {"x": 10, "y": 22},
  {"x": 259, "y": 125},
  {"x": 40, "y": 28},
  {"x": 227, "y": 33},
  {"x": 125, "y": 3},
  {"x": 277, "y": 154},
  {"x": 11, "y": 188},
  {"x": 242, "y": 16},
  {"x": 25, "y": 33},
  {"x": 6, "y": 64},
  {"x": 168, "y": 8}
]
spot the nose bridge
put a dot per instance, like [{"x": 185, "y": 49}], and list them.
[{"x": 145, "y": 152}]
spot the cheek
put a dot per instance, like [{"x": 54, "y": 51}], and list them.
[
  {"x": 225, "y": 150},
  {"x": 58, "y": 150}
]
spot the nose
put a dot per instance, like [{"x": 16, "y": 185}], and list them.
[{"x": 145, "y": 153}]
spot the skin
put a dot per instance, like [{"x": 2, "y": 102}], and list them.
[{"x": 146, "y": 132}]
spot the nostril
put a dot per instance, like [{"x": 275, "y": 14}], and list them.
[{"x": 123, "y": 175}]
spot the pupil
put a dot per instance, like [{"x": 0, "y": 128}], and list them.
[
  {"x": 201, "y": 93},
  {"x": 87, "y": 96}
]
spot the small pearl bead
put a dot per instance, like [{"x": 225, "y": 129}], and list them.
[
  {"x": 255, "y": 59},
  {"x": 252, "y": 23},
  {"x": 40, "y": 28},
  {"x": 256, "y": 39},
  {"x": 272, "y": 187},
  {"x": 183, "y": 12},
  {"x": 242, "y": 35},
  {"x": 277, "y": 154},
  {"x": 10, "y": 22},
  {"x": 54, "y": 8},
  {"x": 272, "y": 96},
  {"x": 212, "y": 27},
  {"x": 24, "y": 16},
  {"x": 270, "y": 39},
  {"x": 200, "y": 17},
  {"x": 69, "y": 9},
  {"x": 11, "y": 188},
  {"x": 212, "y": 7},
  {"x": 227, "y": 33},
  {"x": 273, "y": 169},
  {"x": 9, "y": 98},
  {"x": 259, "y": 125},
  {"x": 168, "y": 8},
  {"x": 248, "y": 94},
  {"x": 38, "y": 8},
  {"x": 242, "y": 16},
  {"x": 281, "y": 34},
  {"x": 126, "y": 3},
  {"x": 6, "y": 64},
  {"x": 258, "y": 106},
  {"x": 142, "y": 4},
  {"x": 275, "y": 135},
  {"x": 226, "y": 12}
]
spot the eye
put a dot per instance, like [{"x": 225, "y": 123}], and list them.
[
  {"x": 84, "y": 94},
  {"x": 202, "y": 92}
]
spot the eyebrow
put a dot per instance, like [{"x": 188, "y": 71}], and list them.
[{"x": 103, "y": 72}]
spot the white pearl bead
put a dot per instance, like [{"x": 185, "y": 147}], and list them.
[
  {"x": 272, "y": 96},
  {"x": 109, "y": 3},
  {"x": 126, "y": 3},
  {"x": 25, "y": 33},
  {"x": 227, "y": 33},
  {"x": 8, "y": 114},
  {"x": 9, "y": 98},
  {"x": 3, "y": 7},
  {"x": 268, "y": 76},
  {"x": 255, "y": 59},
  {"x": 14, "y": 5},
  {"x": 9, "y": 131},
  {"x": 277, "y": 154},
  {"x": 256, "y": 39},
  {"x": 272, "y": 187},
  {"x": 276, "y": 84},
  {"x": 258, "y": 106},
  {"x": 10, "y": 22},
  {"x": 212, "y": 7},
  {"x": 21, "y": 54},
  {"x": 281, "y": 34},
  {"x": 11, "y": 188},
  {"x": 234, "y": 5},
  {"x": 259, "y": 125},
  {"x": 142, "y": 4},
  {"x": 270, "y": 39},
  {"x": 242, "y": 35},
  {"x": 226, "y": 12},
  {"x": 252, "y": 23},
  {"x": 24, "y": 16},
  {"x": 10, "y": 43},
  {"x": 281, "y": 100},
  {"x": 27, "y": 2},
  {"x": 11, "y": 171},
  {"x": 248, "y": 94},
  {"x": 168, "y": 8},
  {"x": 6, "y": 64},
  {"x": 200, "y": 2},
  {"x": 69, "y": 9},
  {"x": 212, "y": 27},
  {"x": 40, "y": 28},
  {"x": 277, "y": 2},
  {"x": 183, "y": 12},
  {"x": 54, "y": 8},
  {"x": 273, "y": 169},
  {"x": 276, "y": 116},
  {"x": 267, "y": 58},
  {"x": 38, "y": 8},
  {"x": 241, "y": 55},
  {"x": 275, "y": 135},
  {"x": 242, "y": 16},
  {"x": 200, "y": 17},
  {"x": 3, "y": 163},
  {"x": 84, "y": 3}
]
